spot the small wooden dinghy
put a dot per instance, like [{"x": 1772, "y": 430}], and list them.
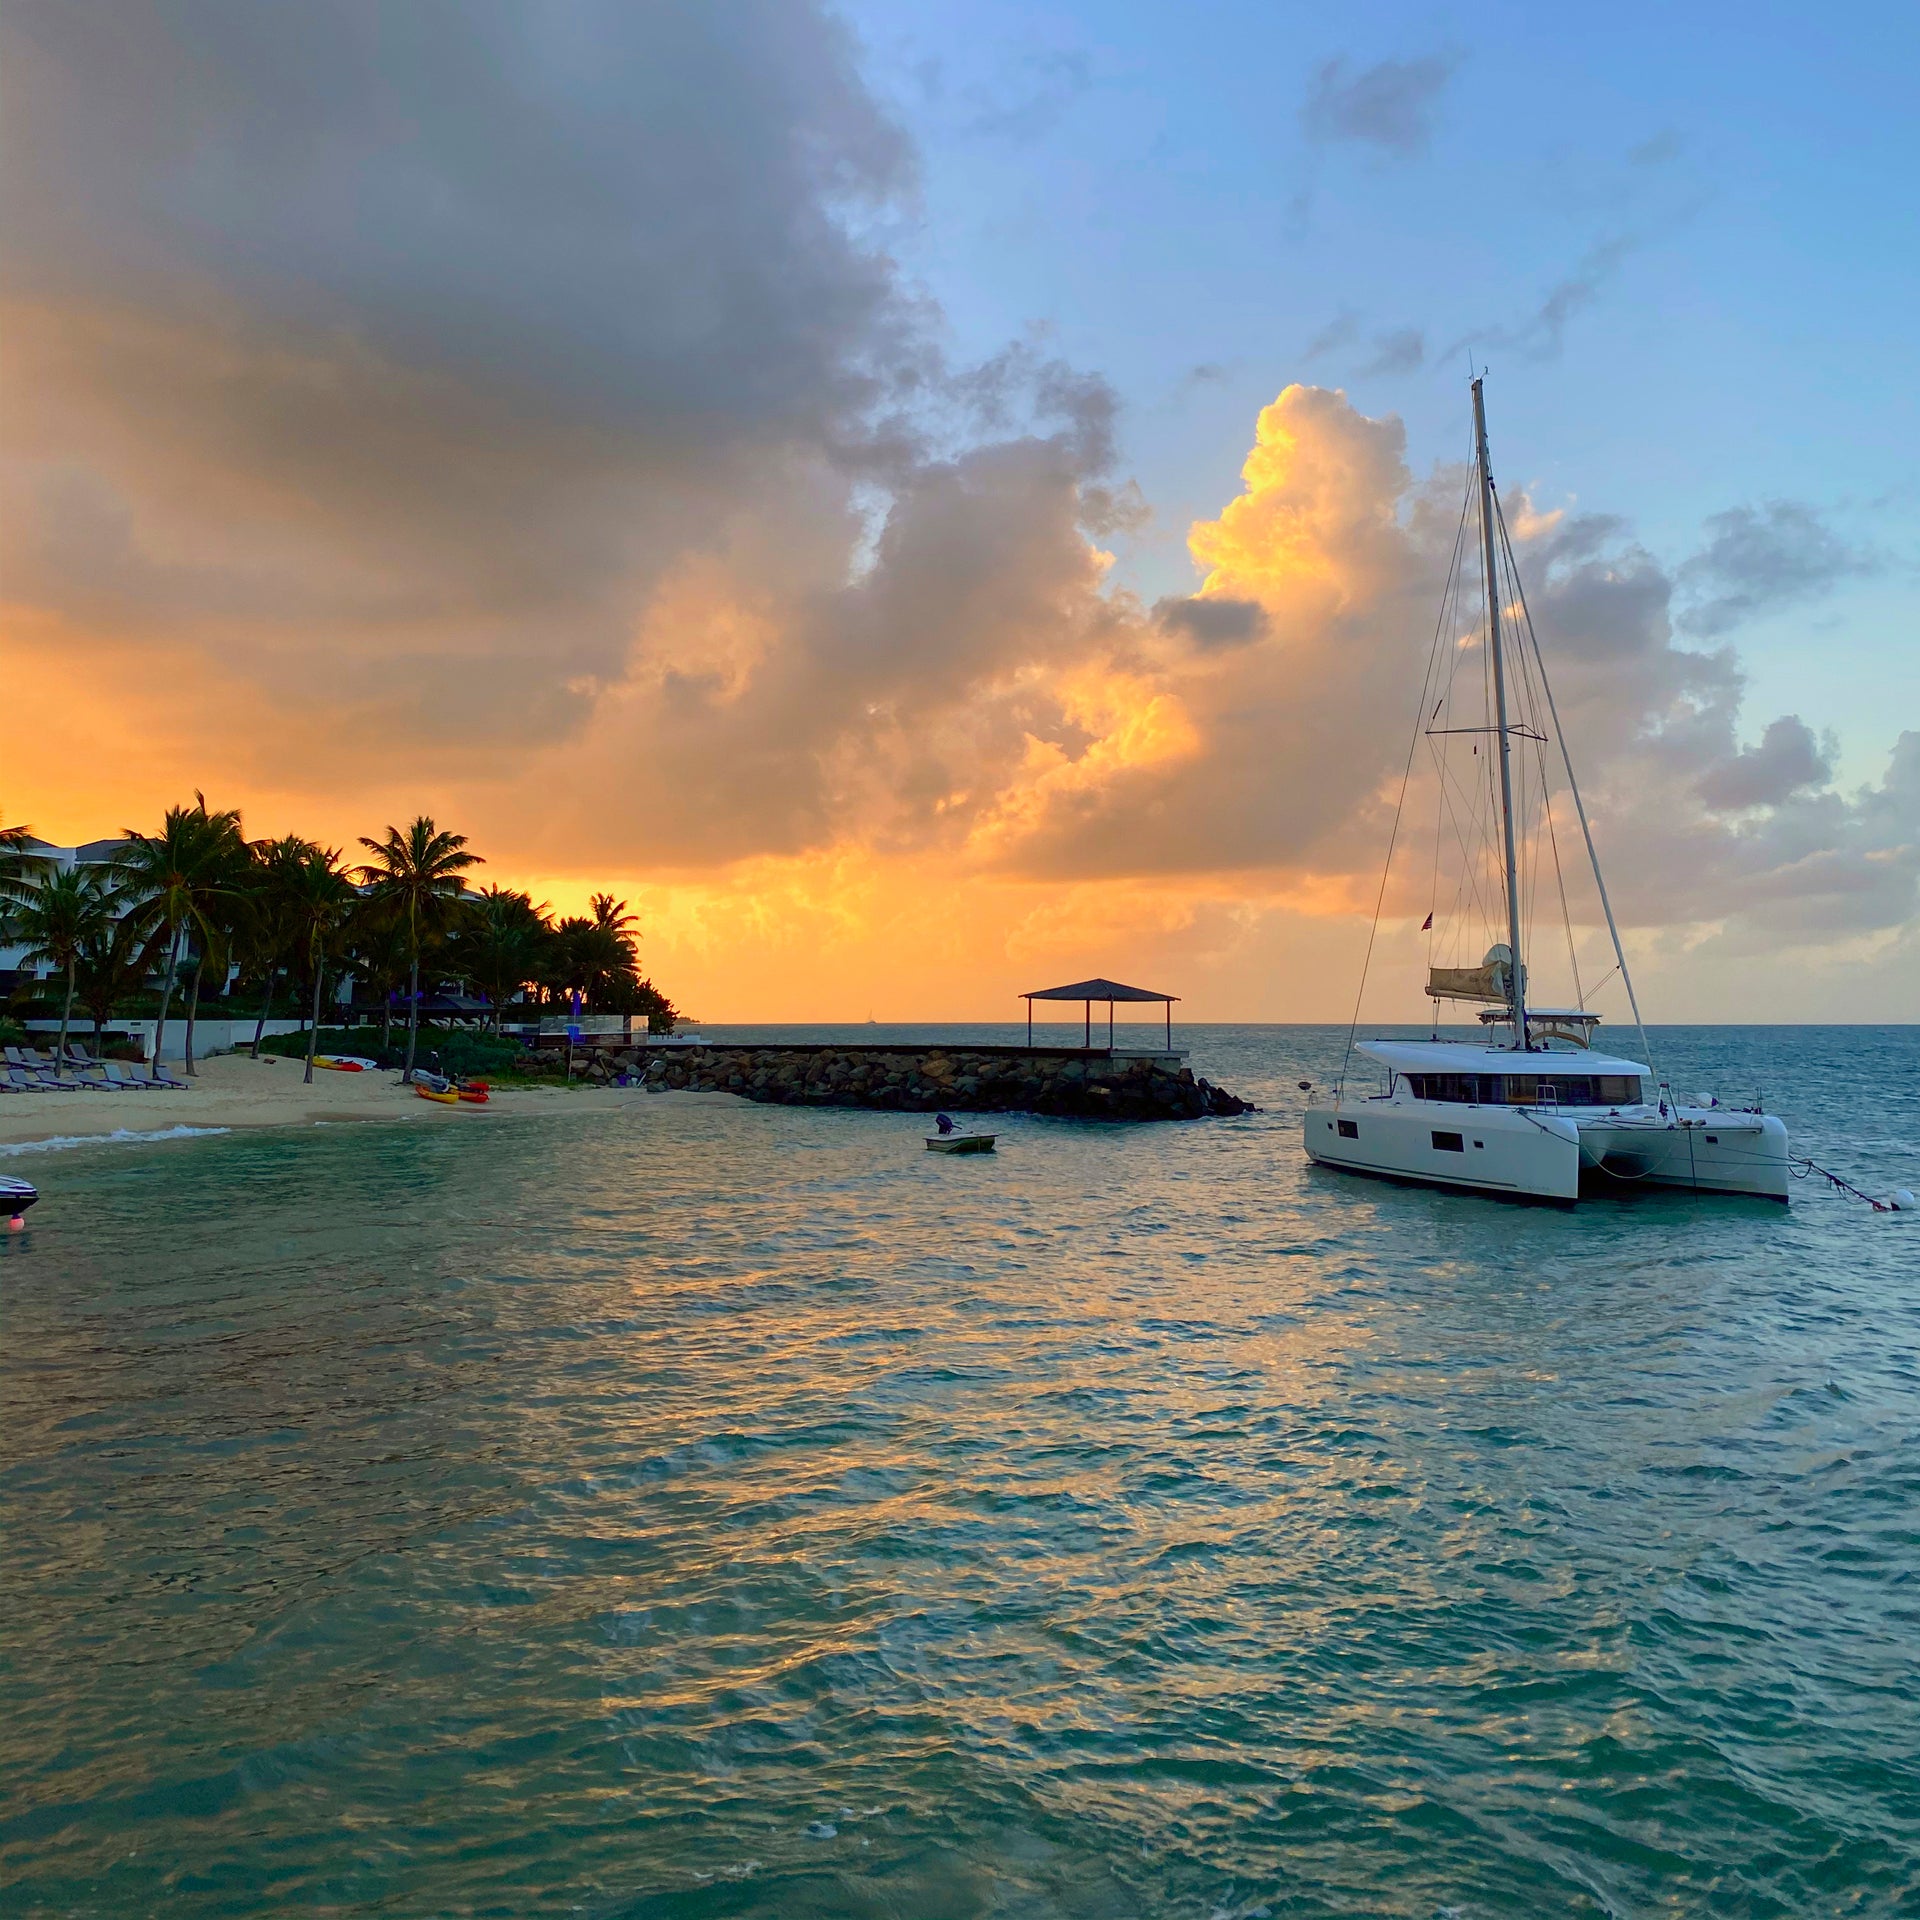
[{"x": 958, "y": 1142}]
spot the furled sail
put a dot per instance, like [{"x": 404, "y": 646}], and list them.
[{"x": 1489, "y": 982}]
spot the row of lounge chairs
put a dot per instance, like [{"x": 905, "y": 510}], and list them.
[{"x": 28, "y": 1070}]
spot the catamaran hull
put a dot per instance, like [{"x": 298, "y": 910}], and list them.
[
  {"x": 1702, "y": 1150},
  {"x": 1551, "y": 1156},
  {"x": 1490, "y": 1150}
]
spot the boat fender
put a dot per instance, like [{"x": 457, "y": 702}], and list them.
[{"x": 1901, "y": 1200}]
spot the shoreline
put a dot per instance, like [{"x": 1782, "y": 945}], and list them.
[{"x": 235, "y": 1092}]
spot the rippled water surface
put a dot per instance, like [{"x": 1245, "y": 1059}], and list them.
[{"x": 705, "y": 1509}]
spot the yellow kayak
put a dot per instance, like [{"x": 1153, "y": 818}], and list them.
[{"x": 447, "y": 1099}]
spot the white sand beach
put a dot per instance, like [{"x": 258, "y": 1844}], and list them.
[{"x": 235, "y": 1090}]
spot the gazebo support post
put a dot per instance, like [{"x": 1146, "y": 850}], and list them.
[
  {"x": 1086, "y": 1042},
  {"x": 1029, "y": 1023}
]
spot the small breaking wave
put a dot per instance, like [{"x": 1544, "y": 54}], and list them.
[{"x": 120, "y": 1136}]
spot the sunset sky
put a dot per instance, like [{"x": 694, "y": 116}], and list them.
[{"x": 763, "y": 458}]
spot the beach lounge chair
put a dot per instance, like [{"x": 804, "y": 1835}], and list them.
[
  {"x": 21, "y": 1080},
  {"x": 120, "y": 1079},
  {"x": 156, "y": 1077}
]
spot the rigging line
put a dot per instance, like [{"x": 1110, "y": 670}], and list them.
[
  {"x": 1406, "y": 774},
  {"x": 1447, "y": 598},
  {"x": 1469, "y": 862},
  {"x": 1531, "y": 697},
  {"x": 1579, "y": 806},
  {"x": 1474, "y": 853},
  {"x": 1559, "y": 871},
  {"x": 1560, "y": 881}
]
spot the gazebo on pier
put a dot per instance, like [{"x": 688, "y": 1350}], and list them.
[{"x": 1090, "y": 991}]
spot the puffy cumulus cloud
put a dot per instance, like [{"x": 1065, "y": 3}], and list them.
[
  {"x": 1787, "y": 761},
  {"x": 1274, "y": 758}
]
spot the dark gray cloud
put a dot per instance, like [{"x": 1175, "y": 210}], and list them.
[
  {"x": 1340, "y": 331},
  {"x": 1212, "y": 622},
  {"x": 1786, "y": 762},
  {"x": 1759, "y": 560},
  {"x": 1403, "y": 350},
  {"x": 633, "y": 210},
  {"x": 1541, "y": 333},
  {"x": 1388, "y": 106}
]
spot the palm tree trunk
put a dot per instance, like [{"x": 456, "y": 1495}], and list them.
[
  {"x": 313, "y": 1032},
  {"x": 386, "y": 1021},
  {"x": 166, "y": 997},
  {"x": 266, "y": 1009},
  {"x": 66, "y": 1015},
  {"x": 413, "y": 1011},
  {"x": 193, "y": 1007}
]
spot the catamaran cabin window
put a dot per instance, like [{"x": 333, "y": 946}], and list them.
[
  {"x": 1528, "y": 1089},
  {"x": 1468, "y": 1089},
  {"x": 1449, "y": 1143},
  {"x": 1349, "y": 1130},
  {"x": 1573, "y": 1090}
]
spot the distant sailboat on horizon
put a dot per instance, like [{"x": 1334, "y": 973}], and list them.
[{"x": 1534, "y": 1111}]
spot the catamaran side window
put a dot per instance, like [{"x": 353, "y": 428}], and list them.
[
  {"x": 1459, "y": 1089},
  {"x": 1449, "y": 1143},
  {"x": 1349, "y": 1129},
  {"x": 1619, "y": 1090}
]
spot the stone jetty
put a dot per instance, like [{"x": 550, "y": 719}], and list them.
[{"x": 1072, "y": 1083}]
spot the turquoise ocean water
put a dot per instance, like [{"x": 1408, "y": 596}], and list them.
[{"x": 717, "y": 1510}]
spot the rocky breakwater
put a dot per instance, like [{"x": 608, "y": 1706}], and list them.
[{"x": 1072, "y": 1085}]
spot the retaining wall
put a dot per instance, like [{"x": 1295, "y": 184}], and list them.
[{"x": 1069, "y": 1082}]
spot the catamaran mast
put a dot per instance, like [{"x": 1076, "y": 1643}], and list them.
[{"x": 1516, "y": 977}]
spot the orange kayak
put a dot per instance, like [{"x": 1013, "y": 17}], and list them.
[{"x": 476, "y": 1095}]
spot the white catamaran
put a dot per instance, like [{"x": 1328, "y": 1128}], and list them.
[{"x": 1535, "y": 1111}]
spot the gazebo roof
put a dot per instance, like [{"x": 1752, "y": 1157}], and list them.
[{"x": 1109, "y": 990}]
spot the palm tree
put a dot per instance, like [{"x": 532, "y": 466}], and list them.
[
  {"x": 611, "y": 916},
  {"x": 418, "y": 872},
  {"x": 115, "y": 958},
  {"x": 180, "y": 878},
  {"x": 319, "y": 896},
  {"x": 265, "y": 929},
  {"x": 17, "y": 866},
  {"x": 501, "y": 943},
  {"x": 65, "y": 908},
  {"x": 377, "y": 952}
]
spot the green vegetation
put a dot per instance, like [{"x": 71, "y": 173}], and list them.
[
  {"x": 196, "y": 909},
  {"x": 447, "y": 1050}
]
